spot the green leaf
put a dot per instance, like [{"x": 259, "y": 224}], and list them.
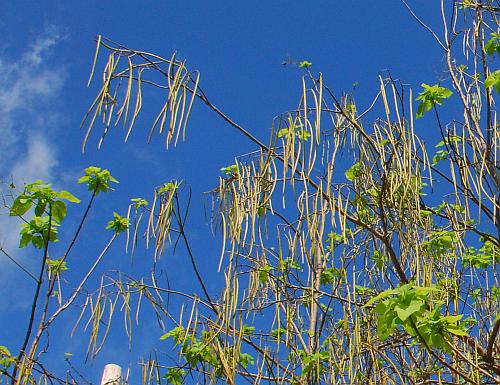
[
  {"x": 303, "y": 134},
  {"x": 176, "y": 333},
  {"x": 482, "y": 258},
  {"x": 247, "y": 330},
  {"x": 37, "y": 230},
  {"x": 246, "y": 359},
  {"x": 423, "y": 108},
  {"x": 92, "y": 170},
  {"x": 167, "y": 187},
  {"x": 21, "y": 204},
  {"x": 68, "y": 196},
  {"x": 449, "y": 141},
  {"x": 351, "y": 108},
  {"x": 378, "y": 258},
  {"x": 495, "y": 292},
  {"x": 119, "y": 224},
  {"x": 289, "y": 263},
  {"x": 458, "y": 331},
  {"x": 231, "y": 170},
  {"x": 59, "y": 210},
  {"x": 174, "y": 376},
  {"x": 97, "y": 179},
  {"x": 25, "y": 240},
  {"x": 493, "y": 80},
  {"x": 264, "y": 274},
  {"x": 57, "y": 265},
  {"x": 333, "y": 240},
  {"x": 405, "y": 313},
  {"x": 276, "y": 333},
  {"x": 304, "y": 64},
  {"x": 327, "y": 276},
  {"x": 139, "y": 202},
  {"x": 386, "y": 325},
  {"x": 382, "y": 295},
  {"x": 38, "y": 241},
  {"x": 493, "y": 45},
  {"x": 4, "y": 351},
  {"x": 439, "y": 156},
  {"x": 363, "y": 289},
  {"x": 283, "y": 132},
  {"x": 353, "y": 172},
  {"x": 431, "y": 96},
  {"x": 40, "y": 208},
  {"x": 422, "y": 291}
]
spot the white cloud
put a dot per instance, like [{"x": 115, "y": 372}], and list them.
[
  {"x": 28, "y": 88},
  {"x": 37, "y": 163},
  {"x": 41, "y": 46}
]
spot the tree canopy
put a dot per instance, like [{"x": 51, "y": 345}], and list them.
[{"x": 353, "y": 252}]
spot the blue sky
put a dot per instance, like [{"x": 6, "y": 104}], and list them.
[{"x": 45, "y": 58}]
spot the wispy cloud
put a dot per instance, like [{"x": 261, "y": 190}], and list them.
[
  {"x": 28, "y": 88},
  {"x": 37, "y": 163},
  {"x": 40, "y": 48}
]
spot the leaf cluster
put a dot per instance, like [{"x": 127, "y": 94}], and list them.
[
  {"x": 431, "y": 96},
  {"x": 97, "y": 179},
  {"x": 49, "y": 209},
  {"x": 413, "y": 308}
]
